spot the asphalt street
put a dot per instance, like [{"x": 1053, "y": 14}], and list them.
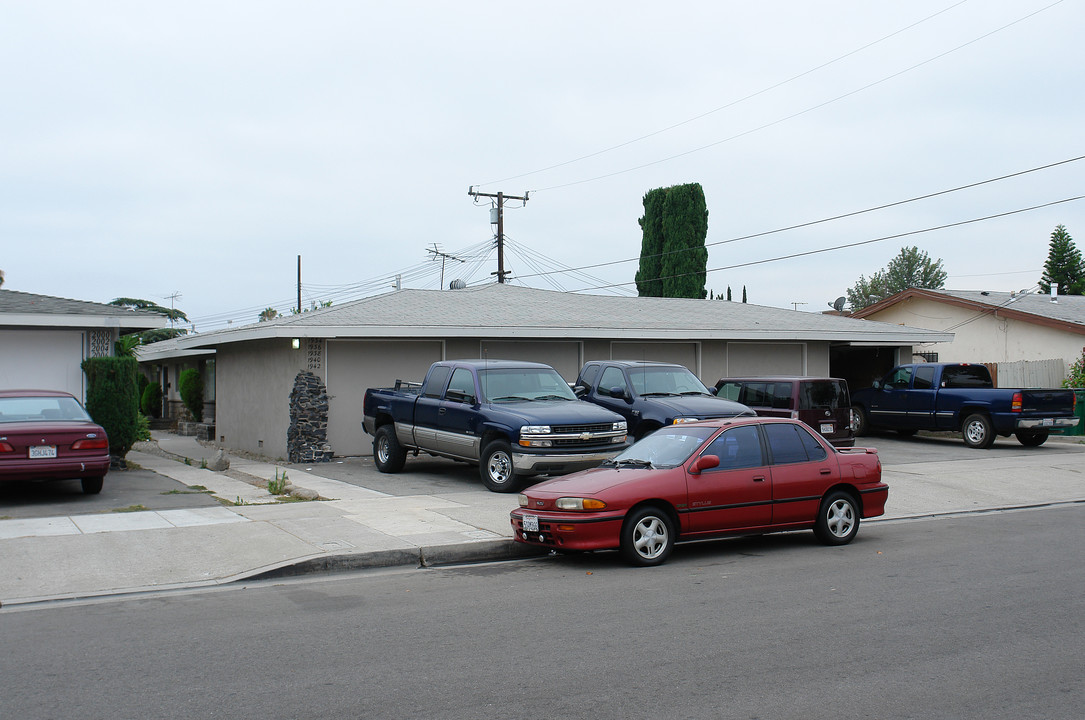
[{"x": 977, "y": 616}]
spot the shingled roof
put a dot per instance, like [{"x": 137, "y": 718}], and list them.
[
  {"x": 509, "y": 311},
  {"x": 27, "y": 309}
]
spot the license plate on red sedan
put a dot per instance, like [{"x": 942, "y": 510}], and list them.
[
  {"x": 531, "y": 523},
  {"x": 43, "y": 451},
  {"x": 826, "y": 428}
]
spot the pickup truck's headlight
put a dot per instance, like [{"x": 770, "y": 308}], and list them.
[
  {"x": 582, "y": 504},
  {"x": 535, "y": 430},
  {"x": 620, "y": 425},
  {"x": 680, "y": 420}
]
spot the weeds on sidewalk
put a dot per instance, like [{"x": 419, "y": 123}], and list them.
[
  {"x": 130, "y": 508},
  {"x": 278, "y": 485}
]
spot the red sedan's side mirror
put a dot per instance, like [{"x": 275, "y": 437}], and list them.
[{"x": 705, "y": 462}]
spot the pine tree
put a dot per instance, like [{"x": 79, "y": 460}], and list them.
[
  {"x": 673, "y": 256},
  {"x": 1064, "y": 265},
  {"x": 651, "y": 247}
]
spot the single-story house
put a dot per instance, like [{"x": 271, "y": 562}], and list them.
[
  {"x": 1032, "y": 338},
  {"x": 375, "y": 341},
  {"x": 44, "y": 339}
]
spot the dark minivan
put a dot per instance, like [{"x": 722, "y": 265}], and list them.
[{"x": 822, "y": 403}]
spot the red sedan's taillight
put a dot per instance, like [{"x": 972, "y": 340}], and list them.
[
  {"x": 1017, "y": 403},
  {"x": 6, "y": 447},
  {"x": 91, "y": 444}
]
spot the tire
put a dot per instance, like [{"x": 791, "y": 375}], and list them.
[
  {"x": 1031, "y": 439},
  {"x": 496, "y": 468},
  {"x": 907, "y": 432},
  {"x": 388, "y": 455},
  {"x": 838, "y": 519},
  {"x": 647, "y": 537},
  {"x": 860, "y": 421},
  {"x": 92, "y": 485},
  {"x": 978, "y": 432}
]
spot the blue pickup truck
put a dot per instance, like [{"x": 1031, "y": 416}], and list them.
[
  {"x": 960, "y": 397},
  {"x": 650, "y": 395},
  {"x": 515, "y": 419}
]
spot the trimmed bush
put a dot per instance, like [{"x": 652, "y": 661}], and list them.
[
  {"x": 151, "y": 400},
  {"x": 112, "y": 400},
  {"x": 190, "y": 385}
]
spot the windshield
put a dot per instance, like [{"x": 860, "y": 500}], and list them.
[
  {"x": 40, "y": 409},
  {"x": 665, "y": 448},
  {"x": 666, "y": 381},
  {"x": 519, "y": 384}
]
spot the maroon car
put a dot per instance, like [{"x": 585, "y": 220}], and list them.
[
  {"x": 47, "y": 435},
  {"x": 703, "y": 480}
]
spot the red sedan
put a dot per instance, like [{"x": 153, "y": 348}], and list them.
[
  {"x": 47, "y": 435},
  {"x": 704, "y": 480}
]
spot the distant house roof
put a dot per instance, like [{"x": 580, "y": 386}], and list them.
[
  {"x": 508, "y": 311},
  {"x": 1066, "y": 314},
  {"x": 27, "y": 309}
]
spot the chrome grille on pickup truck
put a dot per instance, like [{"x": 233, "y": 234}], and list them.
[{"x": 597, "y": 428}]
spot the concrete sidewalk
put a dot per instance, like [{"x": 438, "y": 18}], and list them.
[{"x": 255, "y": 534}]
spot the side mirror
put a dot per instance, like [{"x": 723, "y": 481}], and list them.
[
  {"x": 618, "y": 392},
  {"x": 714, "y": 391},
  {"x": 705, "y": 462},
  {"x": 877, "y": 384},
  {"x": 580, "y": 391}
]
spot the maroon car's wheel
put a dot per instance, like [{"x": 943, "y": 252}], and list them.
[
  {"x": 92, "y": 485},
  {"x": 647, "y": 537},
  {"x": 838, "y": 519}
]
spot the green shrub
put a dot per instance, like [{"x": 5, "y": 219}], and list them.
[
  {"x": 151, "y": 400},
  {"x": 1076, "y": 377},
  {"x": 112, "y": 401},
  {"x": 143, "y": 428},
  {"x": 190, "y": 386}
]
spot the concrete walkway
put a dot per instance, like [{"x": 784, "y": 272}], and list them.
[{"x": 255, "y": 534}]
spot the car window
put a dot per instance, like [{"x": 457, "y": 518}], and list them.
[
  {"x": 814, "y": 449},
  {"x": 612, "y": 378},
  {"x": 587, "y": 378},
  {"x": 462, "y": 381},
  {"x": 24, "y": 409},
  {"x": 667, "y": 447},
  {"x": 729, "y": 390},
  {"x": 900, "y": 378},
  {"x": 781, "y": 396},
  {"x": 831, "y": 394},
  {"x": 756, "y": 394},
  {"x": 966, "y": 376},
  {"x": 924, "y": 377},
  {"x": 787, "y": 445},
  {"x": 438, "y": 378},
  {"x": 737, "y": 448},
  {"x": 516, "y": 384}
]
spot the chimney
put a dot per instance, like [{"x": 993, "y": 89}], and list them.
[{"x": 1054, "y": 292}]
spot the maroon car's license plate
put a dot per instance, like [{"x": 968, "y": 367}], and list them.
[
  {"x": 531, "y": 523},
  {"x": 43, "y": 451}
]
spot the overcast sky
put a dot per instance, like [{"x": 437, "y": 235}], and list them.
[{"x": 196, "y": 149}]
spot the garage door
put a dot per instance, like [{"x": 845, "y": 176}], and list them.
[
  {"x": 765, "y": 359},
  {"x": 680, "y": 353},
  {"x": 42, "y": 359},
  {"x": 354, "y": 366},
  {"x": 563, "y": 356}
]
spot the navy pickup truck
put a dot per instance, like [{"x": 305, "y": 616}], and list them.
[
  {"x": 650, "y": 395},
  {"x": 515, "y": 419},
  {"x": 960, "y": 397}
]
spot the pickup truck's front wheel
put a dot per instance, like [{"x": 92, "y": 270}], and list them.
[
  {"x": 978, "y": 431},
  {"x": 498, "y": 473},
  {"x": 388, "y": 455}
]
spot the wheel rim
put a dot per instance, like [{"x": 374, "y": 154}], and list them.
[
  {"x": 382, "y": 449},
  {"x": 499, "y": 468},
  {"x": 650, "y": 537},
  {"x": 976, "y": 432},
  {"x": 840, "y": 518}
]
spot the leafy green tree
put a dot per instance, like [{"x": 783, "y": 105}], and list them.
[
  {"x": 151, "y": 401},
  {"x": 112, "y": 399},
  {"x": 674, "y": 228},
  {"x": 1064, "y": 265},
  {"x": 651, "y": 245},
  {"x": 156, "y": 334},
  {"x": 269, "y": 313},
  {"x": 911, "y": 268}
]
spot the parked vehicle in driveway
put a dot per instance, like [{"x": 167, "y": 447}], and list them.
[
  {"x": 47, "y": 435},
  {"x": 961, "y": 397},
  {"x": 822, "y": 403},
  {"x": 704, "y": 480},
  {"x": 515, "y": 419},
  {"x": 651, "y": 395}
]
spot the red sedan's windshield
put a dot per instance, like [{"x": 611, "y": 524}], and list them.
[
  {"x": 40, "y": 409},
  {"x": 667, "y": 447}
]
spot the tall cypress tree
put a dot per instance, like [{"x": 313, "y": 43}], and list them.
[
  {"x": 674, "y": 258},
  {"x": 1064, "y": 265},
  {"x": 651, "y": 246}
]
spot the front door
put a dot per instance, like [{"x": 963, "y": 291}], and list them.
[{"x": 738, "y": 493}]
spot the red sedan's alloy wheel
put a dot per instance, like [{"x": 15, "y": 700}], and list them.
[{"x": 647, "y": 537}]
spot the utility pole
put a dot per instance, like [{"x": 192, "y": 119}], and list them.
[
  {"x": 501, "y": 198},
  {"x": 176, "y": 294},
  {"x": 299, "y": 284},
  {"x": 444, "y": 256}
]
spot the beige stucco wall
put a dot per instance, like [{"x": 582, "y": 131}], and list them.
[{"x": 982, "y": 337}]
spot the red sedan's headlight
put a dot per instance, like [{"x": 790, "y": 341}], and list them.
[
  {"x": 6, "y": 447},
  {"x": 574, "y": 503},
  {"x": 91, "y": 444}
]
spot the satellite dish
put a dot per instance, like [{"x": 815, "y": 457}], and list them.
[{"x": 838, "y": 304}]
